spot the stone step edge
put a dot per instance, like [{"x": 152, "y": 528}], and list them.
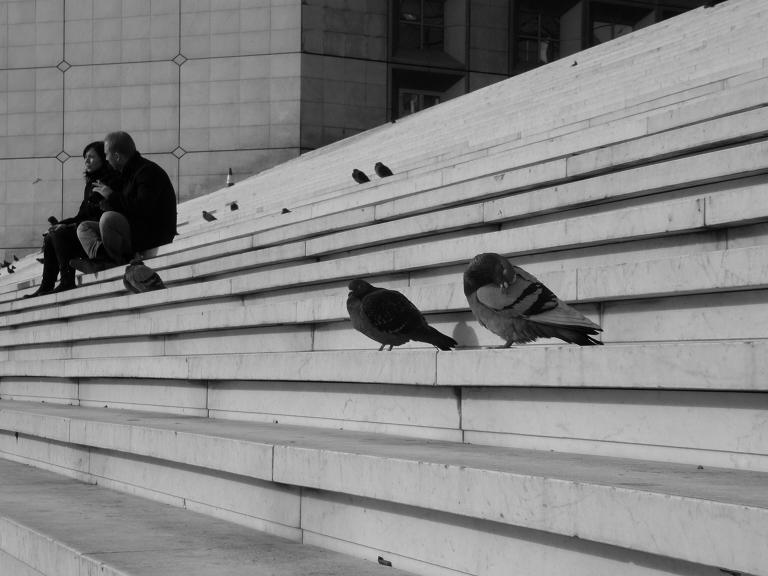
[{"x": 736, "y": 365}]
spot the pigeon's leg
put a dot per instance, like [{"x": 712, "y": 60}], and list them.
[
  {"x": 508, "y": 344},
  {"x": 390, "y": 348},
  {"x": 381, "y": 347}
]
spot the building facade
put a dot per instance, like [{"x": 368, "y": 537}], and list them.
[{"x": 208, "y": 85}]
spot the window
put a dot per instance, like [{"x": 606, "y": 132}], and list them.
[
  {"x": 410, "y": 101},
  {"x": 610, "y": 21},
  {"x": 421, "y": 24},
  {"x": 414, "y": 89},
  {"x": 538, "y": 38}
]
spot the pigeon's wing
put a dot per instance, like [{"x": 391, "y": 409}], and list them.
[
  {"x": 525, "y": 295},
  {"x": 532, "y": 297},
  {"x": 391, "y": 312}
]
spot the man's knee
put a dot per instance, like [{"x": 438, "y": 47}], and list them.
[
  {"x": 87, "y": 229},
  {"x": 114, "y": 221}
]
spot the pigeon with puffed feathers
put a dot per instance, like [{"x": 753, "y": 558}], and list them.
[{"x": 513, "y": 304}]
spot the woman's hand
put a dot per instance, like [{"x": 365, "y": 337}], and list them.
[{"x": 102, "y": 189}]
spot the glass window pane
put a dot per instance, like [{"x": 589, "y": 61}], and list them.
[{"x": 409, "y": 36}]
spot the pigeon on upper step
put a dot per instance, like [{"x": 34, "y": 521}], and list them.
[
  {"x": 360, "y": 176},
  {"x": 513, "y": 304},
  {"x": 382, "y": 171},
  {"x": 208, "y": 217},
  {"x": 389, "y": 318}
]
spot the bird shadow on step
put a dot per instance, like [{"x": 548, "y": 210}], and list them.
[{"x": 465, "y": 335}]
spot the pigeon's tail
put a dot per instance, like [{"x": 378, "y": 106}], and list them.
[
  {"x": 567, "y": 324},
  {"x": 434, "y": 337},
  {"x": 571, "y": 335}
]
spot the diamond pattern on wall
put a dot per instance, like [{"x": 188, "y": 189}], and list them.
[
  {"x": 179, "y": 152},
  {"x": 63, "y": 157},
  {"x": 179, "y": 59},
  {"x": 63, "y": 66}
]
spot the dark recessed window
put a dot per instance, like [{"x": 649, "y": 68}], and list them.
[
  {"x": 411, "y": 101},
  {"x": 610, "y": 21},
  {"x": 414, "y": 90}
]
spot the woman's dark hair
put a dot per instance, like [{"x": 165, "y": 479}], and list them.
[{"x": 98, "y": 147}]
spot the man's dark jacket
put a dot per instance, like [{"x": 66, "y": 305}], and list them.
[{"x": 148, "y": 202}]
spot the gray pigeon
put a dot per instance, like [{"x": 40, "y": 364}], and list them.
[
  {"x": 360, "y": 176},
  {"x": 390, "y": 318},
  {"x": 139, "y": 278},
  {"x": 208, "y": 217},
  {"x": 381, "y": 170},
  {"x": 513, "y": 304}
]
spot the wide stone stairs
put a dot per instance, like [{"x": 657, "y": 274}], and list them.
[{"x": 236, "y": 414}]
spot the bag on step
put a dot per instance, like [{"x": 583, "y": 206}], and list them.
[{"x": 139, "y": 278}]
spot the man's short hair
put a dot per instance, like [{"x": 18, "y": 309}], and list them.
[{"x": 121, "y": 142}]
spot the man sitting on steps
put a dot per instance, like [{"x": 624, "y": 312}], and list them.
[{"x": 141, "y": 215}]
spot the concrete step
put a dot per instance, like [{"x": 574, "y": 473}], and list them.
[
  {"x": 721, "y": 365},
  {"x": 663, "y": 509},
  {"x": 55, "y": 526}
]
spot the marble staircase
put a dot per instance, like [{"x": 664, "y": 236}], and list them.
[{"x": 635, "y": 185}]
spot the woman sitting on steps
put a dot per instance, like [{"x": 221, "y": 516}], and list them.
[{"x": 61, "y": 244}]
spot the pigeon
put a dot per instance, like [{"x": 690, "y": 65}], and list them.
[
  {"x": 139, "y": 278},
  {"x": 11, "y": 269},
  {"x": 574, "y": 64},
  {"x": 285, "y": 211},
  {"x": 390, "y": 318},
  {"x": 513, "y": 304},
  {"x": 15, "y": 258},
  {"x": 234, "y": 206},
  {"x": 360, "y": 176},
  {"x": 381, "y": 170},
  {"x": 208, "y": 217},
  {"x": 5, "y": 264},
  {"x": 230, "y": 180}
]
